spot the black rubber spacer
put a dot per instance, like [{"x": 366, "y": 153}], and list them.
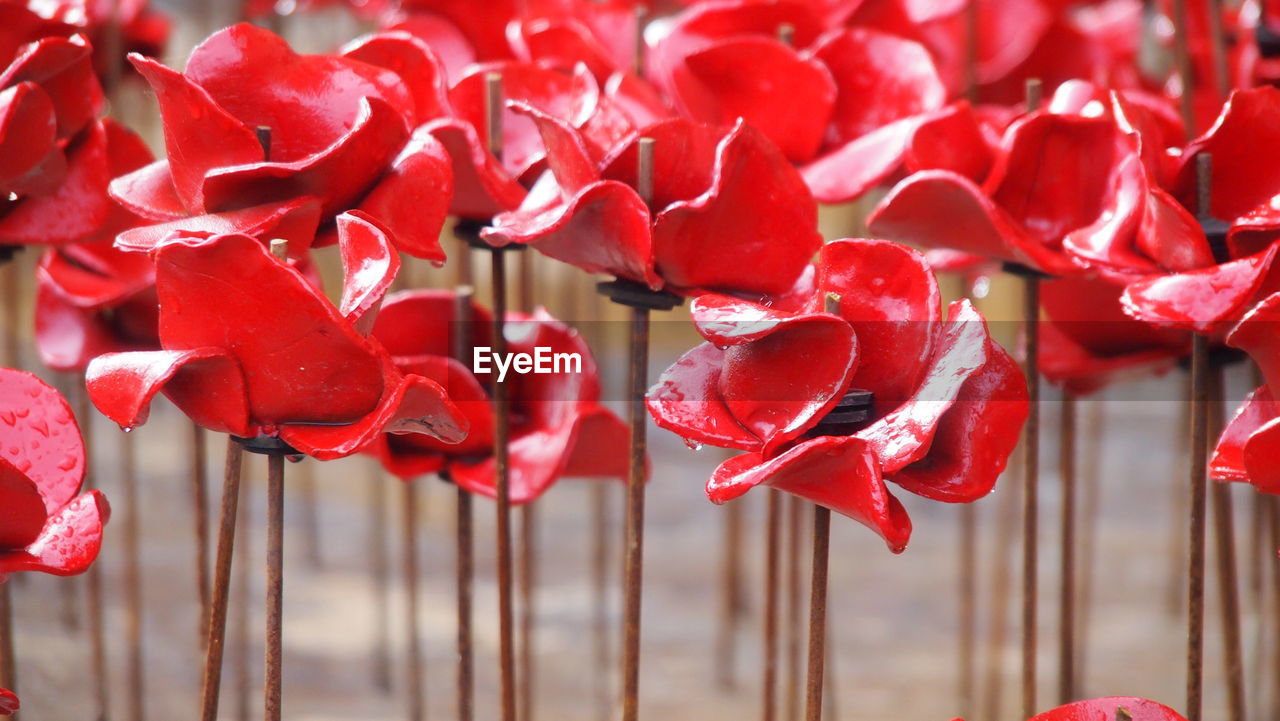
[
  {"x": 1022, "y": 271},
  {"x": 469, "y": 231},
  {"x": 637, "y": 295},
  {"x": 267, "y": 446}
]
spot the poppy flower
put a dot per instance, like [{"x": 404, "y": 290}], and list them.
[
  {"x": 558, "y": 426},
  {"x": 563, "y": 33},
  {"x": 462, "y": 32},
  {"x": 46, "y": 524},
  {"x": 373, "y": 9},
  {"x": 247, "y": 345},
  {"x": 141, "y": 28},
  {"x": 1069, "y": 190},
  {"x": 1250, "y": 443},
  {"x": 716, "y": 223},
  {"x": 845, "y": 104},
  {"x": 1208, "y": 290},
  {"x": 947, "y": 403},
  {"x": 8, "y": 702},
  {"x": 1107, "y": 709},
  {"x": 339, "y": 140}
]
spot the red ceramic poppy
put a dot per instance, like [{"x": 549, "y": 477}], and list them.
[
  {"x": 717, "y": 222},
  {"x": 46, "y": 524},
  {"x": 1069, "y": 190},
  {"x": 558, "y": 426},
  {"x": 563, "y": 33},
  {"x": 1250, "y": 444},
  {"x": 948, "y": 402},
  {"x": 8, "y": 702},
  {"x": 1108, "y": 709},
  {"x": 248, "y": 345},
  {"x": 339, "y": 140},
  {"x": 1199, "y": 293},
  {"x": 373, "y": 9}
]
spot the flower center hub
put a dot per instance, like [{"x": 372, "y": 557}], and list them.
[{"x": 850, "y": 415}]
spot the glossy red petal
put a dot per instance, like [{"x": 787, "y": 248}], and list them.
[
  {"x": 686, "y": 401},
  {"x": 28, "y": 129},
  {"x": 1071, "y": 366},
  {"x": 22, "y": 511},
  {"x": 442, "y": 36},
  {"x": 199, "y": 133},
  {"x": 684, "y": 159},
  {"x": 1260, "y": 457},
  {"x": 1245, "y": 143},
  {"x": 787, "y": 96},
  {"x": 416, "y": 64},
  {"x": 880, "y": 78},
  {"x": 293, "y": 346},
  {"x": 1106, "y": 709},
  {"x": 414, "y": 405},
  {"x": 68, "y": 336},
  {"x": 310, "y": 102},
  {"x": 149, "y": 192},
  {"x": 8, "y": 702},
  {"x": 780, "y": 385},
  {"x": 950, "y": 139},
  {"x": 727, "y": 321},
  {"x": 1256, "y": 334},
  {"x": 1170, "y": 236},
  {"x": 96, "y": 274},
  {"x": 1200, "y": 300},
  {"x": 77, "y": 209},
  {"x": 906, "y": 434},
  {"x": 849, "y": 171},
  {"x": 206, "y": 383},
  {"x": 838, "y": 472},
  {"x": 1228, "y": 461},
  {"x": 420, "y": 323},
  {"x": 337, "y": 175},
  {"x": 482, "y": 188},
  {"x": 42, "y": 439},
  {"x": 294, "y": 220},
  {"x": 369, "y": 266},
  {"x": 890, "y": 297},
  {"x": 975, "y": 437},
  {"x": 939, "y": 209},
  {"x": 412, "y": 198},
  {"x": 69, "y": 542},
  {"x": 560, "y": 43},
  {"x": 735, "y": 237}
]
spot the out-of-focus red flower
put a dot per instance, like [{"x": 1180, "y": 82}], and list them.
[
  {"x": 8, "y": 702},
  {"x": 1199, "y": 288},
  {"x": 340, "y": 139},
  {"x": 948, "y": 402},
  {"x": 46, "y": 524},
  {"x": 1070, "y": 189},
  {"x": 141, "y": 28},
  {"x": 248, "y": 344},
  {"x": 729, "y": 213},
  {"x": 1250, "y": 444},
  {"x": 558, "y": 426},
  {"x": 1105, "y": 709},
  {"x": 371, "y": 9}
]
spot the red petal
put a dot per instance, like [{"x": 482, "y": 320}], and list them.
[
  {"x": 1245, "y": 143},
  {"x": 199, "y": 134},
  {"x": 412, "y": 198},
  {"x": 727, "y": 321},
  {"x": 28, "y": 129},
  {"x": 420, "y": 323},
  {"x": 975, "y": 437},
  {"x": 414, "y": 405},
  {"x": 951, "y": 139},
  {"x": 1170, "y": 235},
  {"x": 42, "y": 439},
  {"x": 1256, "y": 335},
  {"x": 149, "y": 192},
  {"x": 22, "y": 511},
  {"x": 442, "y": 36},
  {"x": 735, "y": 237},
  {"x": 336, "y": 175},
  {"x": 69, "y": 542},
  {"x": 780, "y": 385},
  {"x": 293, "y": 346},
  {"x": 416, "y": 64},
  {"x": 94, "y": 275},
  {"x": 310, "y": 102},
  {"x": 905, "y": 435},
  {"x": 939, "y": 209},
  {"x": 838, "y": 472},
  {"x": 1104, "y": 709},
  {"x": 482, "y": 188},
  {"x": 852, "y": 169},
  {"x": 8, "y": 702},
  {"x": 63, "y": 68},
  {"x": 1228, "y": 461},
  {"x": 206, "y": 383},
  {"x": 483, "y": 24},
  {"x": 559, "y": 43},
  {"x": 1260, "y": 457},
  {"x": 890, "y": 298},
  {"x": 880, "y": 78},
  {"x": 294, "y": 220},
  {"x": 787, "y": 96},
  {"x": 78, "y": 208},
  {"x": 684, "y": 159},
  {"x": 369, "y": 266},
  {"x": 1202, "y": 299},
  {"x": 686, "y": 401}
]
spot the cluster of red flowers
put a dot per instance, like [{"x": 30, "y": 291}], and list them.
[{"x": 834, "y": 377}]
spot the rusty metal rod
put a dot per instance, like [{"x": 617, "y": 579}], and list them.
[{"x": 219, "y": 596}]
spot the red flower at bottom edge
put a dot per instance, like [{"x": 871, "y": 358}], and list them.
[
  {"x": 1249, "y": 446},
  {"x": 46, "y": 524},
  {"x": 948, "y": 401},
  {"x": 8, "y": 702},
  {"x": 1107, "y": 709}
]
